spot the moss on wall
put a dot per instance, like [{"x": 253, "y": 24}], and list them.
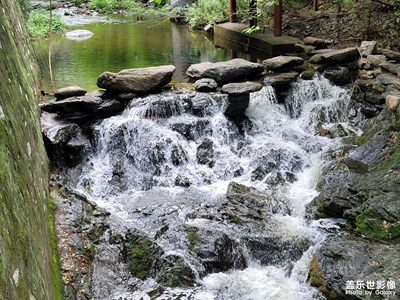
[{"x": 27, "y": 267}]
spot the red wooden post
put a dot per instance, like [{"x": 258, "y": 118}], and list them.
[
  {"x": 232, "y": 11},
  {"x": 278, "y": 19}
]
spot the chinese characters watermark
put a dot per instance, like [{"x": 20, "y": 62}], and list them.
[{"x": 369, "y": 287}]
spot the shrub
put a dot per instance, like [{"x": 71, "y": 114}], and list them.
[{"x": 39, "y": 20}]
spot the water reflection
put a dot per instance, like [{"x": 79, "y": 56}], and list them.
[{"x": 118, "y": 46}]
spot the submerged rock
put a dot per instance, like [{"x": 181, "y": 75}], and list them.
[
  {"x": 79, "y": 35},
  {"x": 140, "y": 80},
  {"x": 224, "y": 72}
]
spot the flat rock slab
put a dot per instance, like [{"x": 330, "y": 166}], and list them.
[
  {"x": 87, "y": 103},
  {"x": 391, "y": 54},
  {"x": 79, "y": 35},
  {"x": 317, "y": 42},
  {"x": 140, "y": 80},
  {"x": 389, "y": 79},
  {"x": 279, "y": 63},
  {"x": 340, "y": 56},
  {"x": 281, "y": 78},
  {"x": 392, "y": 68},
  {"x": 70, "y": 91},
  {"x": 376, "y": 59},
  {"x": 241, "y": 88},
  {"x": 224, "y": 72}
]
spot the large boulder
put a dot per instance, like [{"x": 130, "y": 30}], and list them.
[
  {"x": 241, "y": 88},
  {"x": 224, "y": 72},
  {"x": 282, "y": 63},
  {"x": 205, "y": 85},
  {"x": 140, "y": 80},
  {"x": 367, "y": 48},
  {"x": 340, "y": 56},
  {"x": 338, "y": 75}
]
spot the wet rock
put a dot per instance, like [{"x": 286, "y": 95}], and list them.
[
  {"x": 338, "y": 75},
  {"x": 391, "y": 54},
  {"x": 201, "y": 103},
  {"x": 64, "y": 141},
  {"x": 282, "y": 63},
  {"x": 215, "y": 249},
  {"x": 158, "y": 106},
  {"x": 317, "y": 42},
  {"x": 239, "y": 97},
  {"x": 224, "y": 72},
  {"x": 140, "y": 80},
  {"x": 191, "y": 130},
  {"x": 281, "y": 79},
  {"x": 344, "y": 258},
  {"x": 175, "y": 272},
  {"x": 367, "y": 48},
  {"x": 363, "y": 186},
  {"x": 182, "y": 181},
  {"x": 340, "y": 56},
  {"x": 88, "y": 104},
  {"x": 205, "y": 85},
  {"x": 79, "y": 35},
  {"x": 205, "y": 153},
  {"x": 315, "y": 59},
  {"x": 70, "y": 91},
  {"x": 248, "y": 202},
  {"x": 308, "y": 74}
]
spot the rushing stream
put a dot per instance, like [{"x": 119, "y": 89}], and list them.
[{"x": 163, "y": 167}]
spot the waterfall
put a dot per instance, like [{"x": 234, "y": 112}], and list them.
[{"x": 163, "y": 168}]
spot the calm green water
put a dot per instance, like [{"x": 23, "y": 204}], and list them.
[{"x": 117, "y": 46}]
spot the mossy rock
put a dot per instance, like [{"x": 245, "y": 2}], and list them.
[{"x": 140, "y": 259}]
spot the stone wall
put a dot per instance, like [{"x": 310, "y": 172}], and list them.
[{"x": 28, "y": 266}]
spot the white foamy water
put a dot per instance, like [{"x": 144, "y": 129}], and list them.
[{"x": 147, "y": 160}]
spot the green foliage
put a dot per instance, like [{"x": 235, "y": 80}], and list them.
[
  {"x": 39, "y": 21},
  {"x": 139, "y": 259},
  {"x": 203, "y": 12}
]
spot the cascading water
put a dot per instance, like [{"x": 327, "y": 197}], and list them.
[{"x": 163, "y": 167}]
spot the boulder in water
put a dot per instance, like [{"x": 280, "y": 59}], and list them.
[
  {"x": 340, "y": 56},
  {"x": 205, "y": 153},
  {"x": 140, "y": 80},
  {"x": 79, "y": 35},
  {"x": 224, "y": 72},
  {"x": 338, "y": 75}
]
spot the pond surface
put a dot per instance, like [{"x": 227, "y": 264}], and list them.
[{"x": 117, "y": 46}]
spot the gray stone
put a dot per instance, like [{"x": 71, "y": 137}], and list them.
[
  {"x": 364, "y": 63},
  {"x": 338, "y": 75},
  {"x": 205, "y": 85},
  {"x": 340, "y": 56},
  {"x": 224, "y": 72},
  {"x": 392, "y": 68},
  {"x": 281, "y": 63},
  {"x": 391, "y": 54},
  {"x": 140, "y": 80},
  {"x": 308, "y": 74},
  {"x": 280, "y": 79},
  {"x": 315, "y": 59},
  {"x": 389, "y": 79},
  {"x": 205, "y": 153},
  {"x": 241, "y": 88},
  {"x": 70, "y": 91},
  {"x": 56, "y": 130},
  {"x": 317, "y": 42},
  {"x": 86, "y": 103},
  {"x": 367, "y": 48}
]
